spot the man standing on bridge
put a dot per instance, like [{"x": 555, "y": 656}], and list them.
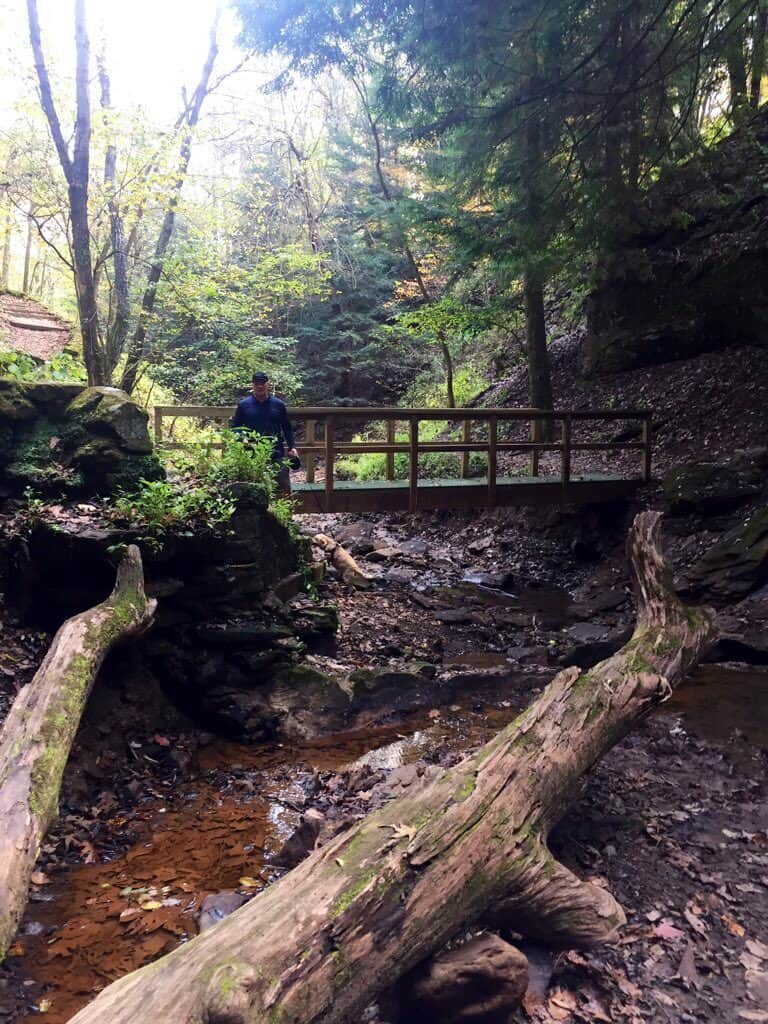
[{"x": 268, "y": 416}]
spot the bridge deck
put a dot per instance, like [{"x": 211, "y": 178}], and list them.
[{"x": 393, "y": 495}]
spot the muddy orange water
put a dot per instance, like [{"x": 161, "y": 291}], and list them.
[
  {"x": 97, "y": 922},
  {"x": 112, "y": 918}
]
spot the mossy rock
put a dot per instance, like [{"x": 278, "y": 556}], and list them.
[
  {"x": 52, "y": 397},
  {"x": 735, "y": 565},
  {"x": 110, "y": 412},
  {"x": 708, "y": 487},
  {"x": 106, "y": 468},
  {"x": 15, "y": 405}
]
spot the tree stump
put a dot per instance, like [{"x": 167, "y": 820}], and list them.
[{"x": 391, "y": 890}]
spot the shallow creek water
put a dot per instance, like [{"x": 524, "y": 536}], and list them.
[{"x": 96, "y": 922}]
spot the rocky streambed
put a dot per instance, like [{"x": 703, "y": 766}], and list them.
[{"x": 464, "y": 623}]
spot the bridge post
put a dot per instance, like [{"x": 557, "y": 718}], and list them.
[
  {"x": 413, "y": 464},
  {"x": 390, "y": 455},
  {"x": 158, "y": 425},
  {"x": 310, "y": 429},
  {"x": 466, "y": 437},
  {"x": 565, "y": 455},
  {"x": 329, "y": 457},
  {"x": 493, "y": 431},
  {"x": 536, "y": 439}
]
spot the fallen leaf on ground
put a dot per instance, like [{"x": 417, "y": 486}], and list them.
[
  {"x": 248, "y": 883},
  {"x": 129, "y": 914},
  {"x": 758, "y": 949},
  {"x": 39, "y": 878},
  {"x": 561, "y": 1004},
  {"x": 758, "y": 1016},
  {"x": 667, "y": 931},
  {"x": 733, "y": 926}
]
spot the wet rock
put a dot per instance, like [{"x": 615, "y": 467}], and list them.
[
  {"x": 476, "y": 547},
  {"x": 492, "y": 580},
  {"x": 536, "y": 655},
  {"x": 417, "y": 547},
  {"x": 243, "y": 634},
  {"x": 401, "y": 575},
  {"x": 735, "y": 565},
  {"x": 384, "y": 554},
  {"x": 319, "y": 620},
  {"x": 302, "y": 842},
  {"x": 289, "y": 586},
  {"x": 481, "y": 982},
  {"x": 217, "y": 906},
  {"x": 590, "y": 652},
  {"x": 457, "y": 615},
  {"x": 710, "y": 487}
]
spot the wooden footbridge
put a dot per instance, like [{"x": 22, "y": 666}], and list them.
[{"x": 326, "y": 433}]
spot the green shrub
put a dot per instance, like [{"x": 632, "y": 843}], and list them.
[
  {"x": 160, "y": 507},
  {"x": 20, "y": 366},
  {"x": 246, "y": 458}
]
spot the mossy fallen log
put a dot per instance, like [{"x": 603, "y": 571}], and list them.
[
  {"x": 391, "y": 890},
  {"x": 38, "y": 733}
]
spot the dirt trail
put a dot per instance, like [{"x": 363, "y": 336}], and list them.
[{"x": 27, "y": 326}]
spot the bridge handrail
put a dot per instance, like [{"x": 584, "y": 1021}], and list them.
[{"x": 329, "y": 447}]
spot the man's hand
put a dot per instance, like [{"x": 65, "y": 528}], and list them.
[{"x": 293, "y": 453}]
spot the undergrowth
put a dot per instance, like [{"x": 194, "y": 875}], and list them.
[{"x": 196, "y": 494}]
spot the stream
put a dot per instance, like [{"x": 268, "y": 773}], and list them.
[{"x": 92, "y": 923}]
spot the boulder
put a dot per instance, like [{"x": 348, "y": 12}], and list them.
[
  {"x": 112, "y": 412},
  {"x": 710, "y": 487},
  {"x": 733, "y": 567},
  {"x": 481, "y": 982},
  {"x": 217, "y": 906},
  {"x": 66, "y": 439}
]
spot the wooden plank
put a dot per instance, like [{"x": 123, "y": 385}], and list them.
[
  {"x": 467, "y": 439},
  {"x": 390, "y": 453},
  {"x": 413, "y": 464},
  {"x": 492, "y": 439},
  {"x": 539, "y": 493},
  {"x": 329, "y": 459},
  {"x": 310, "y": 458},
  {"x": 158, "y": 425}
]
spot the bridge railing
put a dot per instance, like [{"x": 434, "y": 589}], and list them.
[{"x": 323, "y": 440}]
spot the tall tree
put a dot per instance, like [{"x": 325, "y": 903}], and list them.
[{"x": 76, "y": 168}]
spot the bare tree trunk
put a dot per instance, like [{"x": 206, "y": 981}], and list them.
[
  {"x": 39, "y": 730},
  {"x": 539, "y": 379},
  {"x": 27, "y": 253},
  {"x": 7, "y": 236},
  {"x": 136, "y": 347},
  {"x": 76, "y": 171},
  {"x": 392, "y": 889},
  {"x": 117, "y": 329},
  {"x": 759, "y": 45},
  {"x": 448, "y": 365}
]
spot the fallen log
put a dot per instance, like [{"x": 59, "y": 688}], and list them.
[
  {"x": 346, "y": 566},
  {"x": 37, "y": 735},
  {"x": 382, "y": 896}
]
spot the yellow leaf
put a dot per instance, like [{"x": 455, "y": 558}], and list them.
[{"x": 249, "y": 883}]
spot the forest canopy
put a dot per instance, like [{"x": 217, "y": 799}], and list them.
[{"x": 363, "y": 198}]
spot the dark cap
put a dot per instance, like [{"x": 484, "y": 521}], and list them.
[{"x": 260, "y": 377}]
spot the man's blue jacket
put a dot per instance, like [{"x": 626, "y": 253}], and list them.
[{"x": 269, "y": 418}]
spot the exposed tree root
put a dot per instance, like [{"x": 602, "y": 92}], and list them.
[{"x": 390, "y": 891}]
